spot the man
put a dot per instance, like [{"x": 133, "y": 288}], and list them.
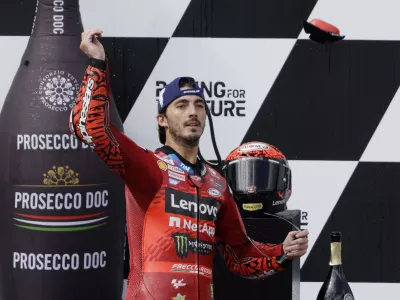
[{"x": 178, "y": 207}]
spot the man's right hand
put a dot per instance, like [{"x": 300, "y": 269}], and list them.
[
  {"x": 296, "y": 244},
  {"x": 91, "y": 46}
]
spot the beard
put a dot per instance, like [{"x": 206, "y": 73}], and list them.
[{"x": 191, "y": 140}]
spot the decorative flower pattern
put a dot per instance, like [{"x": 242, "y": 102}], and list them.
[
  {"x": 61, "y": 176},
  {"x": 59, "y": 90}
]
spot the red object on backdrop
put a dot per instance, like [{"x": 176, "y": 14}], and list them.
[{"x": 322, "y": 32}]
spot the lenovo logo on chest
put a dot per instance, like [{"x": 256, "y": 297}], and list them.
[{"x": 180, "y": 203}]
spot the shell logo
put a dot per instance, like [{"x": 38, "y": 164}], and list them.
[{"x": 162, "y": 165}]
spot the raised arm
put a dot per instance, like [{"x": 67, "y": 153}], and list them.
[{"x": 90, "y": 122}]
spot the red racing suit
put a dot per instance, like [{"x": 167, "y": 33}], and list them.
[{"x": 177, "y": 213}]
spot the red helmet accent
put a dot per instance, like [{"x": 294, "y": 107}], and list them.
[{"x": 255, "y": 149}]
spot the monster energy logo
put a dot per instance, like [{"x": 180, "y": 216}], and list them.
[
  {"x": 184, "y": 243},
  {"x": 181, "y": 245}
]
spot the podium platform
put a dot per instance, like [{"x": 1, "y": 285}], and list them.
[{"x": 281, "y": 286}]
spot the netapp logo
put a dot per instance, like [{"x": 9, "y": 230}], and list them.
[
  {"x": 192, "y": 225},
  {"x": 222, "y": 101},
  {"x": 184, "y": 204}
]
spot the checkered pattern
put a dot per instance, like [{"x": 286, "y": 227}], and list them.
[{"x": 332, "y": 111}]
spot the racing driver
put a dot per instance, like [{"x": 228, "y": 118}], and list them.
[{"x": 179, "y": 209}]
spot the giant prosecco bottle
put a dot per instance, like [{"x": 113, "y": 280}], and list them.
[{"x": 62, "y": 213}]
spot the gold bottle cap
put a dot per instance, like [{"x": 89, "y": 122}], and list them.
[{"x": 336, "y": 254}]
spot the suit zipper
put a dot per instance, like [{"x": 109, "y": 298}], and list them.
[{"x": 198, "y": 241}]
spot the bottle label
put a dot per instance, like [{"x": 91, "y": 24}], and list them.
[
  {"x": 348, "y": 297},
  {"x": 336, "y": 254}
]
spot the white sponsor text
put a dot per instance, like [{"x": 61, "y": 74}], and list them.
[
  {"x": 60, "y": 201},
  {"x": 48, "y": 142},
  {"x": 57, "y": 261}
]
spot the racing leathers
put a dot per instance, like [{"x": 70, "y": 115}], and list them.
[{"x": 177, "y": 213}]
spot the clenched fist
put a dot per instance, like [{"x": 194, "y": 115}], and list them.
[
  {"x": 91, "y": 46},
  {"x": 296, "y": 244}
]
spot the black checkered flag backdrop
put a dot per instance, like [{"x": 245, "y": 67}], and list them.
[{"x": 334, "y": 114}]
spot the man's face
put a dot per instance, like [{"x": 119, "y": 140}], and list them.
[{"x": 185, "y": 119}]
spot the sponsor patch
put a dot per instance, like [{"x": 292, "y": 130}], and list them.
[
  {"x": 278, "y": 202},
  {"x": 185, "y": 244},
  {"x": 202, "y": 227},
  {"x": 191, "y": 268},
  {"x": 252, "y": 206},
  {"x": 173, "y": 181},
  {"x": 175, "y": 169},
  {"x": 185, "y": 167},
  {"x": 165, "y": 158},
  {"x": 191, "y": 91},
  {"x": 84, "y": 113},
  {"x": 179, "y": 297},
  {"x": 177, "y": 283},
  {"x": 253, "y": 147},
  {"x": 176, "y": 176},
  {"x": 181, "y": 165},
  {"x": 214, "y": 192},
  {"x": 180, "y": 203},
  {"x": 162, "y": 165}
]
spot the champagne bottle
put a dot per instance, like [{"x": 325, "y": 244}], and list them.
[
  {"x": 335, "y": 286},
  {"x": 62, "y": 214}
]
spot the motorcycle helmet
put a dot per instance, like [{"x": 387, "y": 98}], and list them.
[{"x": 259, "y": 177}]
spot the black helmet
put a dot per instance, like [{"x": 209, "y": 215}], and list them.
[{"x": 260, "y": 178}]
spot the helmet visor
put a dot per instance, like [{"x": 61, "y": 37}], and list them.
[{"x": 257, "y": 175}]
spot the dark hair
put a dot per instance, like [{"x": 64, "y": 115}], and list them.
[
  {"x": 187, "y": 81},
  {"x": 183, "y": 82}
]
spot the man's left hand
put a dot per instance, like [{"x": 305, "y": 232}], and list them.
[{"x": 296, "y": 244}]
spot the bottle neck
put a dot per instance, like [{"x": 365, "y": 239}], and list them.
[
  {"x": 336, "y": 254},
  {"x": 57, "y": 18}
]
